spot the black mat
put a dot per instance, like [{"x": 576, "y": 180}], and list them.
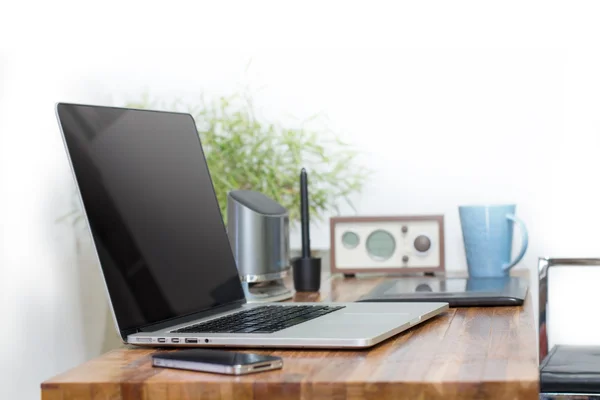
[{"x": 458, "y": 292}]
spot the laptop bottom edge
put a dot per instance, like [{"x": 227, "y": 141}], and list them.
[{"x": 266, "y": 341}]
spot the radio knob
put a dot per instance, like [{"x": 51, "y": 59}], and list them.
[
  {"x": 404, "y": 229},
  {"x": 405, "y": 259},
  {"x": 422, "y": 243}
]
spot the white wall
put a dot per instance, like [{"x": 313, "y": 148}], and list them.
[
  {"x": 451, "y": 103},
  {"x": 46, "y": 294}
]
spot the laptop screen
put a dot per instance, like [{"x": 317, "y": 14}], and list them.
[{"x": 152, "y": 211}]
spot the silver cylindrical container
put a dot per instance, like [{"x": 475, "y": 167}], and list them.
[{"x": 258, "y": 230}]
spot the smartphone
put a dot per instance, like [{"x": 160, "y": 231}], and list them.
[{"x": 217, "y": 361}]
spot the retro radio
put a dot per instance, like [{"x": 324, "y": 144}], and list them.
[{"x": 395, "y": 244}]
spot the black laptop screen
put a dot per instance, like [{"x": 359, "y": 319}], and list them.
[{"x": 152, "y": 211}]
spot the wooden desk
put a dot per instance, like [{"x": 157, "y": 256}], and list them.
[{"x": 466, "y": 353}]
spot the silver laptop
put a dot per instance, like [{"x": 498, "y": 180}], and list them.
[{"x": 161, "y": 243}]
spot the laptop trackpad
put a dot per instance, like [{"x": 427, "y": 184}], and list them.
[{"x": 356, "y": 318}]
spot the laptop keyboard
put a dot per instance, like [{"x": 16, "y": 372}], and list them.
[{"x": 264, "y": 319}]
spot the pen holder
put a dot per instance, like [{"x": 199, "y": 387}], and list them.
[{"x": 307, "y": 274}]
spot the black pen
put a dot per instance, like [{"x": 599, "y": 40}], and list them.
[
  {"x": 307, "y": 269},
  {"x": 304, "y": 214}
]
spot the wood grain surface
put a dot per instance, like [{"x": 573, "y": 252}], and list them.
[{"x": 465, "y": 353}]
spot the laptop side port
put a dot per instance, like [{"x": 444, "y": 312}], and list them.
[
  {"x": 175, "y": 340},
  {"x": 162, "y": 340},
  {"x": 191, "y": 340}
]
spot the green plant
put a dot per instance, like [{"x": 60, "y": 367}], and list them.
[{"x": 247, "y": 152}]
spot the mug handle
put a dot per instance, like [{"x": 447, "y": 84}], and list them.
[{"x": 524, "y": 241}]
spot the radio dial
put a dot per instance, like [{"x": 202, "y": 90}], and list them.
[{"x": 422, "y": 243}]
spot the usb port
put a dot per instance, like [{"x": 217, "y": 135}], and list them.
[
  {"x": 175, "y": 340},
  {"x": 190, "y": 340},
  {"x": 162, "y": 340}
]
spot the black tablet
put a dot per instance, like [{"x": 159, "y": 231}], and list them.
[{"x": 457, "y": 292}]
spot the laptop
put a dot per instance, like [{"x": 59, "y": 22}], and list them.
[{"x": 161, "y": 242}]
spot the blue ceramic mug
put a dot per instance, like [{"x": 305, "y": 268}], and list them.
[{"x": 488, "y": 234}]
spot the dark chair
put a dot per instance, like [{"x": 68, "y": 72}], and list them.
[{"x": 569, "y": 369}]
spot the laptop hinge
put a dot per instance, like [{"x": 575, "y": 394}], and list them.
[{"x": 190, "y": 317}]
